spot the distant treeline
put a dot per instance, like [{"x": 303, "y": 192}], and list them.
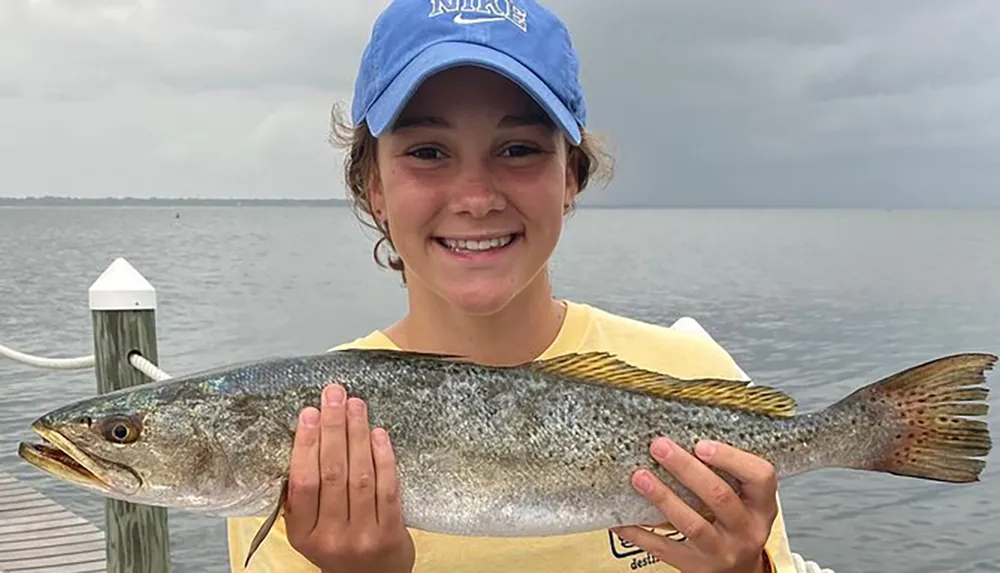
[{"x": 53, "y": 201}]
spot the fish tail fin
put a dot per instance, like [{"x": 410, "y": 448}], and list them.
[{"x": 921, "y": 425}]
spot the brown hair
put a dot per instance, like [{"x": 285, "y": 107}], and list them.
[{"x": 592, "y": 161}]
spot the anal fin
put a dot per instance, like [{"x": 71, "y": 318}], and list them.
[{"x": 265, "y": 527}]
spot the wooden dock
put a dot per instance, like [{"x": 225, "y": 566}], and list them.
[{"x": 37, "y": 535}]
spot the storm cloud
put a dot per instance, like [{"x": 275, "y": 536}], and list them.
[{"x": 775, "y": 102}]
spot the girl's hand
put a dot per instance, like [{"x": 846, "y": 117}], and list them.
[
  {"x": 734, "y": 543},
  {"x": 343, "y": 511}
]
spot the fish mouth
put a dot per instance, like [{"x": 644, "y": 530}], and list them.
[{"x": 58, "y": 456}]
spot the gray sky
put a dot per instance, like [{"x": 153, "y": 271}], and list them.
[{"x": 771, "y": 102}]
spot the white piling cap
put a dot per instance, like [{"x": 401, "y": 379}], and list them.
[{"x": 121, "y": 287}]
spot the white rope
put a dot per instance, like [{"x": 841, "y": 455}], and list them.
[
  {"x": 135, "y": 359},
  {"x": 77, "y": 363},
  {"x": 139, "y": 362}
]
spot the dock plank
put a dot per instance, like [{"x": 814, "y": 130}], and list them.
[
  {"x": 88, "y": 567},
  {"x": 17, "y": 565},
  {"x": 30, "y": 511},
  {"x": 42, "y": 542},
  {"x": 37, "y": 535},
  {"x": 31, "y": 503}
]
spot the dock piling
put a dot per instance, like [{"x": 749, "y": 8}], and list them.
[{"x": 123, "y": 309}]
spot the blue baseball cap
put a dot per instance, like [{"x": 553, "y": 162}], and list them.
[{"x": 520, "y": 39}]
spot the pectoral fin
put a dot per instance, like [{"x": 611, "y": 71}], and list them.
[{"x": 265, "y": 528}]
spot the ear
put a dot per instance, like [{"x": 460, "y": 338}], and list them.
[
  {"x": 572, "y": 182},
  {"x": 376, "y": 199}
]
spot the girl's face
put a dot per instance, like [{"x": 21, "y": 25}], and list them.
[{"x": 473, "y": 183}]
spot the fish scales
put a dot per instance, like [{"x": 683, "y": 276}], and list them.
[
  {"x": 508, "y": 447},
  {"x": 542, "y": 448}
]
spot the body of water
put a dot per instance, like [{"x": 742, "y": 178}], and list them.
[{"x": 814, "y": 302}]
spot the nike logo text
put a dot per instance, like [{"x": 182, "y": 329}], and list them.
[{"x": 481, "y": 11}]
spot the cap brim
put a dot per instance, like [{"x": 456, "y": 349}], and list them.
[{"x": 384, "y": 110}]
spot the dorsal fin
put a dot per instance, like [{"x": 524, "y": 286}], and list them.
[{"x": 605, "y": 369}]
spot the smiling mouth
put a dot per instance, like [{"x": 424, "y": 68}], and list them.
[{"x": 477, "y": 246}]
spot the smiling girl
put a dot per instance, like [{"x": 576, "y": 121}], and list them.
[{"x": 466, "y": 150}]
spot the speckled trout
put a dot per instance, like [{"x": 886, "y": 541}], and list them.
[{"x": 537, "y": 449}]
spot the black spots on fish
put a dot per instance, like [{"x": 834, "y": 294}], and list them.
[
  {"x": 120, "y": 429},
  {"x": 602, "y": 417},
  {"x": 85, "y": 421}
]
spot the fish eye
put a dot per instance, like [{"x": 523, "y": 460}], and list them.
[{"x": 122, "y": 430}]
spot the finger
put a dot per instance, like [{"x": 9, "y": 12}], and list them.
[
  {"x": 303, "y": 476},
  {"x": 720, "y": 499},
  {"x": 758, "y": 482},
  {"x": 361, "y": 472},
  {"x": 680, "y": 515},
  {"x": 333, "y": 510},
  {"x": 388, "y": 508},
  {"x": 674, "y": 553}
]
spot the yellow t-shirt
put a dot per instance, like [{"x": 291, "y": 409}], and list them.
[{"x": 585, "y": 328}]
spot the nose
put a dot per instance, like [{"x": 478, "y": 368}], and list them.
[{"x": 476, "y": 193}]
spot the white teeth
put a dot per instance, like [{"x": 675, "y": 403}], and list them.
[{"x": 485, "y": 245}]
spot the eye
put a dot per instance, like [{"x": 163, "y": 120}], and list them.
[
  {"x": 520, "y": 150},
  {"x": 426, "y": 153},
  {"x": 121, "y": 429}
]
